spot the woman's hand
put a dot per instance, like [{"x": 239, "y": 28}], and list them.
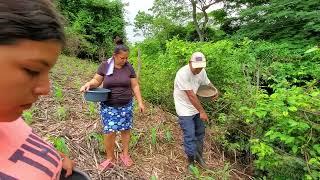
[
  {"x": 68, "y": 164},
  {"x": 85, "y": 87},
  {"x": 141, "y": 108}
]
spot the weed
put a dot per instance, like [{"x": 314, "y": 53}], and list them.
[
  {"x": 92, "y": 109},
  {"x": 28, "y": 116},
  {"x": 77, "y": 83},
  {"x": 61, "y": 113},
  {"x": 168, "y": 136},
  {"x": 154, "y": 136},
  {"x": 134, "y": 139},
  {"x": 99, "y": 139},
  {"x": 153, "y": 177},
  {"x": 58, "y": 94},
  {"x": 60, "y": 144},
  {"x": 195, "y": 172}
]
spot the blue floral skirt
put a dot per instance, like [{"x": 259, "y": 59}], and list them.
[{"x": 116, "y": 118}]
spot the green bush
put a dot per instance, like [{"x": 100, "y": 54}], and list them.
[
  {"x": 91, "y": 26},
  {"x": 77, "y": 43},
  {"x": 269, "y": 104},
  {"x": 285, "y": 124}
]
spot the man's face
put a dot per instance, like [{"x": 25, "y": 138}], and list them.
[{"x": 195, "y": 71}]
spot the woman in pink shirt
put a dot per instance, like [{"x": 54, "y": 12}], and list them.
[{"x": 31, "y": 39}]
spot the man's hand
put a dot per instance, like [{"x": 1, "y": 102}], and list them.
[
  {"x": 215, "y": 97},
  {"x": 204, "y": 116}
]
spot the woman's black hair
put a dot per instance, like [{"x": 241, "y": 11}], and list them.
[
  {"x": 120, "y": 46},
  {"x": 35, "y": 20}
]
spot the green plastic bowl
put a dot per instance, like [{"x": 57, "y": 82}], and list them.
[{"x": 97, "y": 95}]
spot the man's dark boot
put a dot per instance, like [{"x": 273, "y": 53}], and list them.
[{"x": 199, "y": 157}]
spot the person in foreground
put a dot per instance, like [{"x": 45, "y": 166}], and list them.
[
  {"x": 118, "y": 75},
  {"x": 189, "y": 109},
  {"x": 31, "y": 38}
]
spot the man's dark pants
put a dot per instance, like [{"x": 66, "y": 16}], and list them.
[{"x": 193, "y": 134}]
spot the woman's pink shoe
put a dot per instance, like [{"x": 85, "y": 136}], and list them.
[
  {"x": 126, "y": 160},
  {"x": 107, "y": 164}
]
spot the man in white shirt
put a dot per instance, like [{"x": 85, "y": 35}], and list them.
[{"x": 188, "y": 107}]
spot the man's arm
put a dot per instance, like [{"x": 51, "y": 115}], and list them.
[{"x": 196, "y": 103}]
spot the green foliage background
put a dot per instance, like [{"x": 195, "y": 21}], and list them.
[
  {"x": 263, "y": 56},
  {"x": 91, "y": 26},
  {"x": 270, "y": 101}
]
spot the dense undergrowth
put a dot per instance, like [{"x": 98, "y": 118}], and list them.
[{"x": 270, "y": 99}]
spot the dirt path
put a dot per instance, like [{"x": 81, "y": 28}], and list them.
[{"x": 156, "y": 144}]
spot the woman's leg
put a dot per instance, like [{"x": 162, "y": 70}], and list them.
[
  {"x": 125, "y": 134},
  {"x": 109, "y": 141},
  {"x": 125, "y": 138},
  {"x": 109, "y": 136},
  {"x": 125, "y": 157}
]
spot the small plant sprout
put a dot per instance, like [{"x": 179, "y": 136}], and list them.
[
  {"x": 99, "y": 139},
  {"x": 58, "y": 94},
  {"x": 28, "y": 116},
  {"x": 154, "y": 136},
  {"x": 168, "y": 136},
  {"x": 61, "y": 113},
  {"x": 60, "y": 144}
]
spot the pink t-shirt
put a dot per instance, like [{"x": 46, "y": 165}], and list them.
[{"x": 23, "y": 155}]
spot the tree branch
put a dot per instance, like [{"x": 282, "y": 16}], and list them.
[
  {"x": 195, "y": 20},
  {"x": 212, "y": 2},
  {"x": 206, "y": 20}
]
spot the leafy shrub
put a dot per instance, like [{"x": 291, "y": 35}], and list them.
[
  {"x": 269, "y": 104},
  {"x": 91, "y": 26}
]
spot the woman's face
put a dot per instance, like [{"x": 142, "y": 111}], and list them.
[
  {"x": 121, "y": 58},
  {"x": 24, "y": 75}
]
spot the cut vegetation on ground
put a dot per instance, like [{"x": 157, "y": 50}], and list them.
[{"x": 73, "y": 126}]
